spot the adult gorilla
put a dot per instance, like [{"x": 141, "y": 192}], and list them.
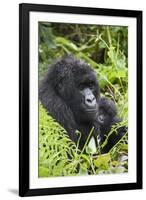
[{"x": 70, "y": 93}]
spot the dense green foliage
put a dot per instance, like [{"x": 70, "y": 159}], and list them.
[{"x": 105, "y": 49}]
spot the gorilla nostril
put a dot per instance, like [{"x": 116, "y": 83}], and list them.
[{"x": 89, "y": 100}]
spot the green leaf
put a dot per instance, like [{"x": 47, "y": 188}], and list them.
[
  {"x": 102, "y": 160},
  {"x": 85, "y": 157},
  {"x": 43, "y": 172},
  {"x": 67, "y": 43}
]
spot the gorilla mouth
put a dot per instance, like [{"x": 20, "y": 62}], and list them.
[{"x": 91, "y": 111}]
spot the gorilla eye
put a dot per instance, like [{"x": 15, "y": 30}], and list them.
[
  {"x": 81, "y": 86},
  {"x": 101, "y": 119},
  {"x": 91, "y": 85}
]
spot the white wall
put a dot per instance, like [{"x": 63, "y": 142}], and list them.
[{"x": 9, "y": 97}]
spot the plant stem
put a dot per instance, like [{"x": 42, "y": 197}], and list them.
[
  {"x": 109, "y": 36},
  {"x": 111, "y": 84},
  {"x": 87, "y": 140}
]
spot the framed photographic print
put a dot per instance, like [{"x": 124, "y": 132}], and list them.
[{"x": 80, "y": 99}]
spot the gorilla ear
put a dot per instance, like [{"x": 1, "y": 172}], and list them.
[
  {"x": 101, "y": 119},
  {"x": 60, "y": 85},
  {"x": 61, "y": 88}
]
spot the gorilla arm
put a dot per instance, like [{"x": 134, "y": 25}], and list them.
[{"x": 113, "y": 139}]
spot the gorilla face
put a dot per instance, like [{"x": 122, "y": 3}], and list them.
[
  {"x": 80, "y": 91},
  {"x": 87, "y": 93}
]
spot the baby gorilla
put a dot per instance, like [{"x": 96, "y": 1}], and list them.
[{"x": 107, "y": 117}]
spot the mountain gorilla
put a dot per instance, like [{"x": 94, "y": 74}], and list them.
[
  {"x": 106, "y": 118},
  {"x": 70, "y": 93}
]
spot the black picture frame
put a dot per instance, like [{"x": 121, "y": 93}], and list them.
[{"x": 24, "y": 104}]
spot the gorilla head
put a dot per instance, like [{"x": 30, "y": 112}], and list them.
[
  {"x": 70, "y": 93},
  {"x": 76, "y": 84},
  {"x": 107, "y": 115}
]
